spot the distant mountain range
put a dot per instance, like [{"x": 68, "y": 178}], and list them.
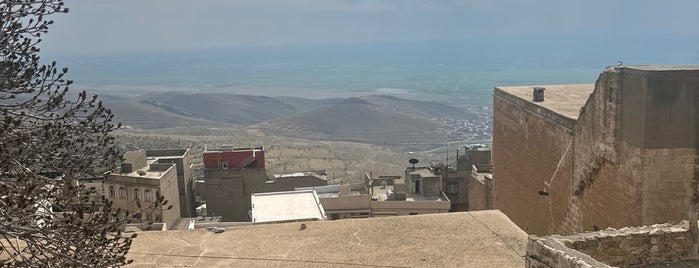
[{"x": 375, "y": 119}]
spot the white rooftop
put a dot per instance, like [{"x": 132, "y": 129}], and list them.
[{"x": 286, "y": 206}]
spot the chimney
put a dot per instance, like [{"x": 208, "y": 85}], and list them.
[{"x": 538, "y": 94}]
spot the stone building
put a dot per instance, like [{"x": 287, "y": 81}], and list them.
[
  {"x": 231, "y": 175},
  {"x": 419, "y": 192},
  {"x": 185, "y": 175},
  {"x": 139, "y": 181},
  {"x": 480, "y": 184},
  {"x": 617, "y": 153}
]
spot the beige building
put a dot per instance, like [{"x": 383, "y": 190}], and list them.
[
  {"x": 344, "y": 201},
  {"x": 480, "y": 186},
  {"x": 185, "y": 175},
  {"x": 419, "y": 192},
  {"x": 621, "y": 152},
  {"x": 138, "y": 182},
  {"x": 231, "y": 175}
]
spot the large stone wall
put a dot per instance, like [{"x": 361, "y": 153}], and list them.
[
  {"x": 527, "y": 149},
  {"x": 609, "y": 168},
  {"x": 660, "y": 243},
  {"x": 480, "y": 194}
]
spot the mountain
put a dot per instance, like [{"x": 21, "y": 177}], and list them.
[
  {"x": 373, "y": 119},
  {"x": 231, "y": 108},
  {"x": 132, "y": 113}
]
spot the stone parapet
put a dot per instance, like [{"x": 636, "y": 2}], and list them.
[{"x": 654, "y": 244}]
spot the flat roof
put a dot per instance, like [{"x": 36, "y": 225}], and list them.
[
  {"x": 661, "y": 67},
  {"x": 286, "y": 206},
  {"x": 565, "y": 100},
  {"x": 146, "y": 171},
  {"x": 380, "y": 192},
  {"x": 422, "y": 171},
  {"x": 464, "y": 239}
]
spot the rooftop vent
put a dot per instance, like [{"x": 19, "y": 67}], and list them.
[{"x": 539, "y": 93}]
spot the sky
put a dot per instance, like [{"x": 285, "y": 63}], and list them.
[{"x": 102, "y": 26}]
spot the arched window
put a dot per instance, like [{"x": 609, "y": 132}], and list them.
[
  {"x": 112, "y": 193},
  {"x": 146, "y": 195},
  {"x": 122, "y": 192},
  {"x": 136, "y": 194}
]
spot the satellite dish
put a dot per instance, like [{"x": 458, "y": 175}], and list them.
[{"x": 413, "y": 161}]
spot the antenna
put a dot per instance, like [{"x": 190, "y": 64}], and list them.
[{"x": 413, "y": 161}]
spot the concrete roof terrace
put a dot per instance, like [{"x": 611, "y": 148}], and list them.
[
  {"x": 465, "y": 239},
  {"x": 380, "y": 192},
  {"x": 152, "y": 170},
  {"x": 565, "y": 100}
]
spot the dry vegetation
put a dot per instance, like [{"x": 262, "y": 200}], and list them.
[{"x": 344, "y": 161}]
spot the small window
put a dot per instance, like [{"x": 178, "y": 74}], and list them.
[
  {"x": 334, "y": 216},
  {"x": 146, "y": 195},
  {"x": 112, "y": 193},
  {"x": 452, "y": 187},
  {"x": 136, "y": 194},
  {"x": 413, "y": 213},
  {"x": 122, "y": 192}
]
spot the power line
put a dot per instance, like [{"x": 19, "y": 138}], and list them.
[
  {"x": 496, "y": 234},
  {"x": 267, "y": 259}
]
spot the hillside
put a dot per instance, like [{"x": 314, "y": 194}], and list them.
[
  {"x": 135, "y": 114},
  {"x": 376, "y": 119},
  {"x": 362, "y": 120},
  {"x": 230, "y": 108}
]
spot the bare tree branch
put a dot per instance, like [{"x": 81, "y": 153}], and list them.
[{"x": 49, "y": 139}]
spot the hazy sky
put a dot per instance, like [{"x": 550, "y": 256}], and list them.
[{"x": 101, "y": 26}]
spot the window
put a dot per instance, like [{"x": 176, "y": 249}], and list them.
[
  {"x": 122, "y": 192},
  {"x": 136, "y": 194},
  {"x": 111, "y": 192},
  {"x": 452, "y": 187},
  {"x": 146, "y": 195}
]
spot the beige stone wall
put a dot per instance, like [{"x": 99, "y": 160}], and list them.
[
  {"x": 348, "y": 202},
  {"x": 401, "y": 208},
  {"x": 227, "y": 192},
  {"x": 527, "y": 149},
  {"x": 625, "y": 247},
  {"x": 480, "y": 196},
  {"x": 666, "y": 190},
  {"x": 166, "y": 186},
  {"x": 170, "y": 191},
  {"x": 589, "y": 171}
]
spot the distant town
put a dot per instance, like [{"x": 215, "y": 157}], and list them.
[{"x": 592, "y": 162}]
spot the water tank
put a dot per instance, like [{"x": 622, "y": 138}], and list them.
[{"x": 390, "y": 195}]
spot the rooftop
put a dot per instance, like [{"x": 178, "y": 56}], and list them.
[
  {"x": 565, "y": 100},
  {"x": 381, "y": 193},
  {"x": 335, "y": 190},
  {"x": 424, "y": 172},
  {"x": 299, "y": 174},
  {"x": 152, "y": 170},
  {"x": 466, "y": 239},
  {"x": 286, "y": 206},
  {"x": 660, "y": 68}
]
